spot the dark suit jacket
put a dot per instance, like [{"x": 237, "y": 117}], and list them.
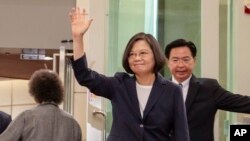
[
  {"x": 165, "y": 110},
  {"x": 205, "y": 96},
  {"x": 5, "y": 120}
]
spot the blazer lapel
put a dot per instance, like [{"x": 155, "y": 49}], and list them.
[
  {"x": 192, "y": 92},
  {"x": 154, "y": 94}
]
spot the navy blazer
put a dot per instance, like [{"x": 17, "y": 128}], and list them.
[
  {"x": 5, "y": 120},
  {"x": 205, "y": 96},
  {"x": 164, "y": 112}
]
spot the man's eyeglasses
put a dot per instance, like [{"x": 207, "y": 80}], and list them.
[{"x": 184, "y": 60}]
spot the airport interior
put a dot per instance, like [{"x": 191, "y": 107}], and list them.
[{"x": 37, "y": 34}]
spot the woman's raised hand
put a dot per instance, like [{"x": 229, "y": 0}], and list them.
[{"x": 79, "y": 23}]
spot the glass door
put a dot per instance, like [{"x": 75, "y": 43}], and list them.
[{"x": 180, "y": 19}]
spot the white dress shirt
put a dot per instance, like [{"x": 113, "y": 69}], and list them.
[{"x": 185, "y": 86}]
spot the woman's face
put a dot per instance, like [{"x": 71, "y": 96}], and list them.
[{"x": 141, "y": 58}]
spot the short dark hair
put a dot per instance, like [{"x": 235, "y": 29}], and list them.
[
  {"x": 180, "y": 43},
  {"x": 46, "y": 86},
  {"x": 155, "y": 47}
]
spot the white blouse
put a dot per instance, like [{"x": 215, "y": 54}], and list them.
[{"x": 143, "y": 93}]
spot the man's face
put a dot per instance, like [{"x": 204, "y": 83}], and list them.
[{"x": 181, "y": 63}]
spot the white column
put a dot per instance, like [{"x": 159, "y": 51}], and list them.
[
  {"x": 210, "y": 45},
  {"x": 210, "y": 38}
]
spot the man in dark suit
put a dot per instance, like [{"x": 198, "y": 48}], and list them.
[
  {"x": 5, "y": 120},
  {"x": 203, "y": 96}
]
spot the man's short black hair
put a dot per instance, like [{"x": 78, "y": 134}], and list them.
[{"x": 180, "y": 43}]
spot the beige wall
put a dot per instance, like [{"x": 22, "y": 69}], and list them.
[
  {"x": 14, "y": 97},
  {"x": 26, "y": 23},
  {"x": 210, "y": 45},
  {"x": 241, "y": 50}
]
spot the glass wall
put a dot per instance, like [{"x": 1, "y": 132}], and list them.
[
  {"x": 167, "y": 20},
  {"x": 180, "y": 19},
  {"x": 224, "y": 61}
]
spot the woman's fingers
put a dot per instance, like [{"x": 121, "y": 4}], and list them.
[{"x": 76, "y": 12}]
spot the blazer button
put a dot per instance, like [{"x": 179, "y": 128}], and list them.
[{"x": 141, "y": 125}]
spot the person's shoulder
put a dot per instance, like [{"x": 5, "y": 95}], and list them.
[
  {"x": 207, "y": 81},
  {"x": 4, "y": 115},
  {"x": 165, "y": 81},
  {"x": 63, "y": 113},
  {"x": 123, "y": 75},
  {"x": 67, "y": 116}
]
